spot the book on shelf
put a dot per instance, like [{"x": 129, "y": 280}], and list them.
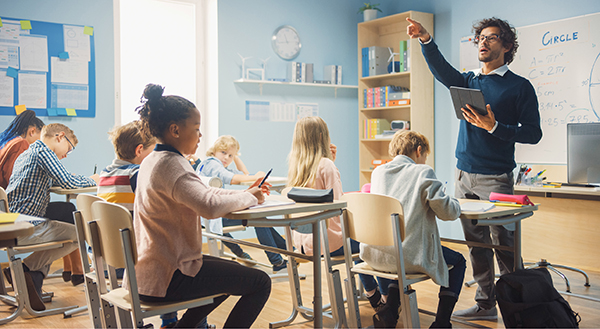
[
  {"x": 378, "y": 63},
  {"x": 333, "y": 73},
  {"x": 399, "y": 102},
  {"x": 365, "y": 61},
  {"x": 372, "y": 127},
  {"x": 404, "y": 55},
  {"x": 294, "y": 72},
  {"x": 309, "y": 76}
]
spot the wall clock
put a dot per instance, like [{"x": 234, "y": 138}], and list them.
[{"x": 286, "y": 42}]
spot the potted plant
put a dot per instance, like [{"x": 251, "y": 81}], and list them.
[{"x": 369, "y": 11}]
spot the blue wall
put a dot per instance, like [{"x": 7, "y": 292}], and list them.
[{"x": 327, "y": 31}]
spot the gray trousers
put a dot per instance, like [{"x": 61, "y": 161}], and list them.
[
  {"x": 50, "y": 230},
  {"x": 478, "y": 186}
]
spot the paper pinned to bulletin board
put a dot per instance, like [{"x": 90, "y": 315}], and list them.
[
  {"x": 47, "y": 67},
  {"x": 279, "y": 112}
]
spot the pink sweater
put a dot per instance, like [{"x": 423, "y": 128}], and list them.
[
  {"x": 328, "y": 176},
  {"x": 170, "y": 198}
]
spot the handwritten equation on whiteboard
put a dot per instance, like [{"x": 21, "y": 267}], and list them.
[{"x": 561, "y": 60}]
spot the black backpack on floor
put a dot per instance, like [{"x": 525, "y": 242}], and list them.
[{"x": 528, "y": 299}]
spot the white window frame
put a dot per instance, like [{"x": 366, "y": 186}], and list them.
[{"x": 207, "y": 78}]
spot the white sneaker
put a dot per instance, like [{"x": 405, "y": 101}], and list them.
[{"x": 477, "y": 313}]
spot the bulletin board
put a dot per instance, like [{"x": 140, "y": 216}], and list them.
[{"x": 47, "y": 67}]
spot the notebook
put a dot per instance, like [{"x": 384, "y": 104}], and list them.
[
  {"x": 476, "y": 206},
  {"x": 273, "y": 203}
]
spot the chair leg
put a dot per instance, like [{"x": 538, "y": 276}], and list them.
[
  {"x": 109, "y": 320},
  {"x": 353, "y": 311},
  {"x": 410, "y": 309}
]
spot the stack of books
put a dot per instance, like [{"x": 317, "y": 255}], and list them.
[
  {"x": 386, "y": 96},
  {"x": 373, "y": 127},
  {"x": 300, "y": 72},
  {"x": 333, "y": 73},
  {"x": 375, "y": 60}
]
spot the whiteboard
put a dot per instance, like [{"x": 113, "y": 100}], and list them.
[{"x": 561, "y": 60}]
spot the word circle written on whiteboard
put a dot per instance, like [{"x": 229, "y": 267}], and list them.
[
  {"x": 561, "y": 59},
  {"x": 548, "y": 38}
]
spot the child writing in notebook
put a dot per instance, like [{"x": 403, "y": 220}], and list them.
[
  {"x": 170, "y": 198},
  {"x": 422, "y": 196},
  {"x": 22, "y": 131},
  {"x": 311, "y": 165},
  {"x": 35, "y": 171},
  {"x": 221, "y": 154}
]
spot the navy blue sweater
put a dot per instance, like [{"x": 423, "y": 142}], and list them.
[{"x": 515, "y": 106}]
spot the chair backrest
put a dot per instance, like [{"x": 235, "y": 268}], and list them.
[
  {"x": 84, "y": 205},
  {"x": 3, "y": 200},
  {"x": 368, "y": 218},
  {"x": 111, "y": 218}
]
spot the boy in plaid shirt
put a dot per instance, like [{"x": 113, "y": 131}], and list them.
[{"x": 35, "y": 171}]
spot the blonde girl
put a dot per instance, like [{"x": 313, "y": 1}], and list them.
[{"x": 311, "y": 165}]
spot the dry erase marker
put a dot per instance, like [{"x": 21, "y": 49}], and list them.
[
  {"x": 95, "y": 167},
  {"x": 265, "y": 178}
]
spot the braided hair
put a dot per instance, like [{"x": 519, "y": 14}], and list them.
[
  {"x": 19, "y": 126},
  {"x": 158, "y": 112}
]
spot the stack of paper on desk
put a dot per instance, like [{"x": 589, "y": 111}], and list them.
[
  {"x": 273, "y": 203},
  {"x": 476, "y": 206}
]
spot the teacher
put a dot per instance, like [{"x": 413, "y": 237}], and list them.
[{"x": 485, "y": 149}]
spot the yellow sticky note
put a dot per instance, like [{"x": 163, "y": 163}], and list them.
[
  {"x": 0, "y": 22},
  {"x": 88, "y": 30},
  {"x": 8, "y": 218},
  {"x": 20, "y": 109},
  {"x": 25, "y": 25},
  {"x": 71, "y": 112}
]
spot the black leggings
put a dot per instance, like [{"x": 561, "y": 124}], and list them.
[{"x": 219, "y": 276}]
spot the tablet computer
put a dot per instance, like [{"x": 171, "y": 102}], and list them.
[{"x": 463, "y": 96}]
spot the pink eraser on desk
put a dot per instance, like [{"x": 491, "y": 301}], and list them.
[{"x": 520, "y": 199}]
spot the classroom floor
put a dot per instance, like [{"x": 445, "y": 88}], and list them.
[{"x": 279, "y": 305}]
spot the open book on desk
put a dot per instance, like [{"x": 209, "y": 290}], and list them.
[
  {"x": 273, "y": 203},
  {"x": 476, "y": 206}
]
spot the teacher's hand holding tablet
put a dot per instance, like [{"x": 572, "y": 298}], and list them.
[{"x": 486, "y": 122}]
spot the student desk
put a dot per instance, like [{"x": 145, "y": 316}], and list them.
[
  {"x": 9, "y": 233},
  {"x": 499, "y": 215},
  {"x": 311, "y": 214},
  {"x": 72, "y": 193},
  {"x": 566, "y": 228}
]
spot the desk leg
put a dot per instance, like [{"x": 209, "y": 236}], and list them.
[
  {"x": 318, "y": 298},
  {"x": 518, "y": 263}
]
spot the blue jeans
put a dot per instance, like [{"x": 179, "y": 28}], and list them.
[
  {"x": 267, "y": 236},
  {"x": 456, "y": 274},
  {"x": 367, "y": 280}
]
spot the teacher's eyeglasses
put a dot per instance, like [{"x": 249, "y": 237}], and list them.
[
  {"x": 490, "y": 38},
  {"x": 72, "y": 146}
]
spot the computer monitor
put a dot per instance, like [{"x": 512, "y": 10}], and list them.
[{"x": 583, "y": 152}]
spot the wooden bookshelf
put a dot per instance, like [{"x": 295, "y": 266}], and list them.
[{"x": 388, "y": 32}]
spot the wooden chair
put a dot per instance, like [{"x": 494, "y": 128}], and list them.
[
  {"x": 21, "y": 298},
  {"x": 113, "y": 244},
  {"x": 81, "y": 217},
  {"x": 378, "y": 220}
]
